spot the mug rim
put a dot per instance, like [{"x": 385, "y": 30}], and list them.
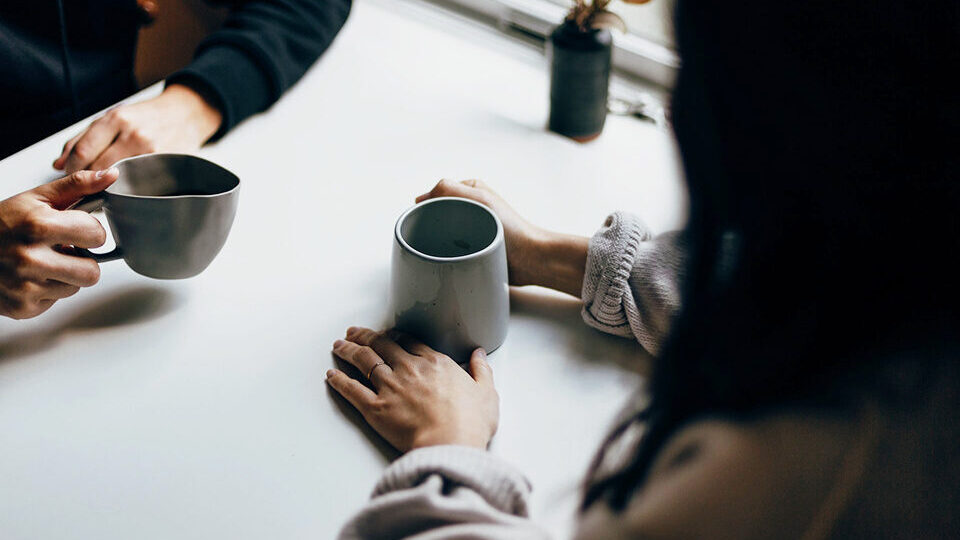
[
  {"x": 493, "y": 245},
  {"x": 173, "y": 197}
]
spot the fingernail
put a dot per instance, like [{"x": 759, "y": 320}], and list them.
[
  {"x": 104, "y": 172},
  {"x": 352, "y": 330},
  {"x": 330, "y": 373},
  {"x": 338, "y": 343},
  {"x": 481, "y": 352}
]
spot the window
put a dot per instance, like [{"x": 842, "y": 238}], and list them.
[
  {"x": 645, "y": 52},
  {"x": 652, "y": 21}
]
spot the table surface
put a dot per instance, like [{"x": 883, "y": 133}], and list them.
[{"x": 198, "y": 408}]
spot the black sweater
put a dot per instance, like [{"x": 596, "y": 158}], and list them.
[{"x": 61, "y": 61}]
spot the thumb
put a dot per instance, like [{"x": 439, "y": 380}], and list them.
[
  {"x": 67, "y": 190},
  {"x": 480, "y": 369},
  {"x": 447, "y": 188}
]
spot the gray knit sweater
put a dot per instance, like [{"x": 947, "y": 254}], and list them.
[{"x": 630, "y": 289}]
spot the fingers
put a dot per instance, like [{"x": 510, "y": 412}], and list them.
[
  {"x": 17, "y": 309},
  {"x": 117, "y": 151},
  {"x": 382, "y": 344},
  {"x": 40, "y": 263},
  {"x": 61, "y": 161},
  {"x": 67, "y": 227},
  {"x": 357, "y": 394},
  {"x": 470, "y": 189},
  {"x": 98, "y": 137},
  {"x": 130, "y": 142},
  {"x": 363, "y": 358},
  {"x": 480, "y": 369},
  {"x": 56, "y": 290},
  {"x": 411, "y": 344},
  {"x": 23, "y": 299},
  {"x": 62, "y": 193}
]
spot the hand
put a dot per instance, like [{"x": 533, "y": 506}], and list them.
[
  {"x": 36, "y": 269},
  {"x": 421, "y": 398},
  {"x": 534, "y": 256},
  {"x": 178, "y": 120}
]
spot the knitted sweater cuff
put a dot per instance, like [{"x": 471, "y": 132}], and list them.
[
  {"x": 502, "y": 486},
  {"x": 610, "y": 258}
]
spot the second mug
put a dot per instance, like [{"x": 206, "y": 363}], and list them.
[
  {"x": 449, "y": 283},
  {"x": 169, "y": 213}
]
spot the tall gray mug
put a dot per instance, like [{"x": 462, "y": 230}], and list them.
[
  {"x": 170, "y": 214},
  {"x": 449, "y": 283}
]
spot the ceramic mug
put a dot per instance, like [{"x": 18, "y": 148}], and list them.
[
  {"x": 449, "y": 276},
  {"x": 169, "y": 214}
]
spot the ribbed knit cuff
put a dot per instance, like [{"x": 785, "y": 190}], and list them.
[
  {"x": 232, "y": 80},
  {"x": 502, "y": 486},
  {"x": 610, "y": 257}
]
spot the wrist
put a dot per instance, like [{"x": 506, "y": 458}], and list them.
[
  {"x": 558, "y": 261},
  {"x": 204, "y": 116},
  {"x": 426, "y": 439}
]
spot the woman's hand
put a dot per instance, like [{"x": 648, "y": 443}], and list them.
[
  {"x": 178, "y": 120},
  {"x": 534, "y": 256},
  {"x": 420, "y": 397},
  {"x": 36, "y": 269}
]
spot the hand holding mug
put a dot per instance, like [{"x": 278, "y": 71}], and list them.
[
  {"x": 420, "y": 397},
  {"x": 535, "y": 256},
  {"x": 37, "y": 264}
]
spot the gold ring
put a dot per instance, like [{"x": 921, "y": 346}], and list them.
[{"x": 375, "y": 366}]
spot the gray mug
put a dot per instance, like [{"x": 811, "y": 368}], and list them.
[
  {"x": 449, "y": 276},
  {"x": 169, "y": 214}
]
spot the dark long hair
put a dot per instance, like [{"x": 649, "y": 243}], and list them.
[{"x": 823, "y": 137}]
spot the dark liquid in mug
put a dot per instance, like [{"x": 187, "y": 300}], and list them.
[{"x": 188, "y": 192}]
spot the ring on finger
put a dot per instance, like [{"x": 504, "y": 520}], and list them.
[{"x": 374, "y": 367}]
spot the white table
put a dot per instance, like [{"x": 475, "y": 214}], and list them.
[{"x": 198, "y": 408}]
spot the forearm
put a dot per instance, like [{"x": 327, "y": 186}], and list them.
[
  {"x": 262, "y": 50},
  {"x": 628, "y": 279},
  {"x": 556, "y": 261}
]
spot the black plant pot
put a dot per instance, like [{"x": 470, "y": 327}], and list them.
[{"x": 579, "y": 78}]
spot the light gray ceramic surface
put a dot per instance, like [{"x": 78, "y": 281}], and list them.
[
  {"x": 170, "y": 214},
  {"x": 449, "y": 278}
]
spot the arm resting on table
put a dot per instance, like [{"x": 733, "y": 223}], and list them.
[{"x": 263, "y": 48}]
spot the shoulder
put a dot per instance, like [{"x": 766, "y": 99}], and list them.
[{"x": 765, "y": 478}]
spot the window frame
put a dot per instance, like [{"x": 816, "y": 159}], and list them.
[{"x": 633, "y": 55}]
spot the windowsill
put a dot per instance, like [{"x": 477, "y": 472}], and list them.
[
  {"x": 529, "y": 47},
  {"x": 634, "y": 57}
]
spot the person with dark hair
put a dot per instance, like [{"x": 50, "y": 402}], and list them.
[{"x": 806, "y": 322}]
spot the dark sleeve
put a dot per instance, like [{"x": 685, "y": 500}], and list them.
[{"x": 263, "y": 48}]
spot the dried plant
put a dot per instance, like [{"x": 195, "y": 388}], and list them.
[{"x": 593, "y": 14}]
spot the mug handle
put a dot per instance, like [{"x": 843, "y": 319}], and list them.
[
  {"x": 112, "y": 255},
  {"x": 92, "y": 203}
]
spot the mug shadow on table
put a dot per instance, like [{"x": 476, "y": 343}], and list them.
[
  {"x": 114, "y": 308},
  {"x": 563, "y": 313}
]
